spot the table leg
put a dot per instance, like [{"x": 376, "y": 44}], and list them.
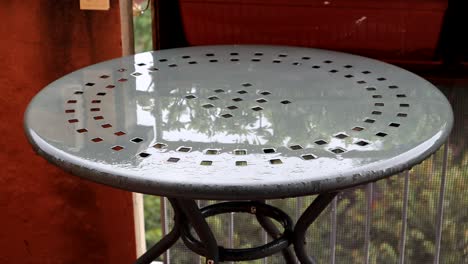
[
  {"x": 166, "y": 242},
  {"x": 306, "y": 219},
  {"x": 279, "y": 243},
  {"x": 186, "y": 212},
  {"x": 199, "y": 224},
  {"x": 271, "y": 229}
]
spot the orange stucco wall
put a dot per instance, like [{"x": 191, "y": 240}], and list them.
[{"x": 46, "y": 215}]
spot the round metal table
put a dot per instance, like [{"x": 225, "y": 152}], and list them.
[{"x": 243, "y": 123}]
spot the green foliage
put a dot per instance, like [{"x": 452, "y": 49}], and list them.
[
  {"x": 142, "y": 32},
  {"x": 152, "y": 205}
]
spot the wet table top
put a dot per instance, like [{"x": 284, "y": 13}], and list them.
[{"x": 238, "y": 122}]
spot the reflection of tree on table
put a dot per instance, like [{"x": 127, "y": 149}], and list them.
[{"x": 386, "y": 216}]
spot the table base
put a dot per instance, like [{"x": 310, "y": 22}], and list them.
[{"x": 188, "y": 215}]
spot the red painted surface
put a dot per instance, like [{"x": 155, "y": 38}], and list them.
[
  {"x": 46, "y": 215},
  {"x": 395, "y": 30}
]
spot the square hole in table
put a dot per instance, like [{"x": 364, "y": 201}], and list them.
[
  {"x": 117, "y": 148},
  {"x": 136, "y": 140},
  {"x": 212, "y": 152},
  {"x": 159, "y": 145},
  {"x": 308, "y": 156},
  {"x": 206, "y": 162},
  {"x": 269, "y": 150},
  {"x": 276, "y": 161},
  {"x": 341, "y": 135},
  {"x": 381, "y": 134},
  {"x": 144, "y": 154},
  {"x": 240, "y": 152},
  {"x": 257, "y": 108},
  {"x": 320, "y": 142},
  {"x": 362, "y": 143},
  {"x": 172, "y": 159},
  {"x": 207, "y": 106},
  {"x": 184, "y": 149},
  {"x": 337, "y": 150},
  {"x": 241, "y": 163},
  {"x": 295, "y": 147}
]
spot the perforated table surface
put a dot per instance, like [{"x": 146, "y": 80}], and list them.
[{"x": 238, "y": 122}]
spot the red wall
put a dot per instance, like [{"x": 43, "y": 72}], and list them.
[
  {"x": 46, "y": 215},
  {"x": 389, "y": 29}
]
